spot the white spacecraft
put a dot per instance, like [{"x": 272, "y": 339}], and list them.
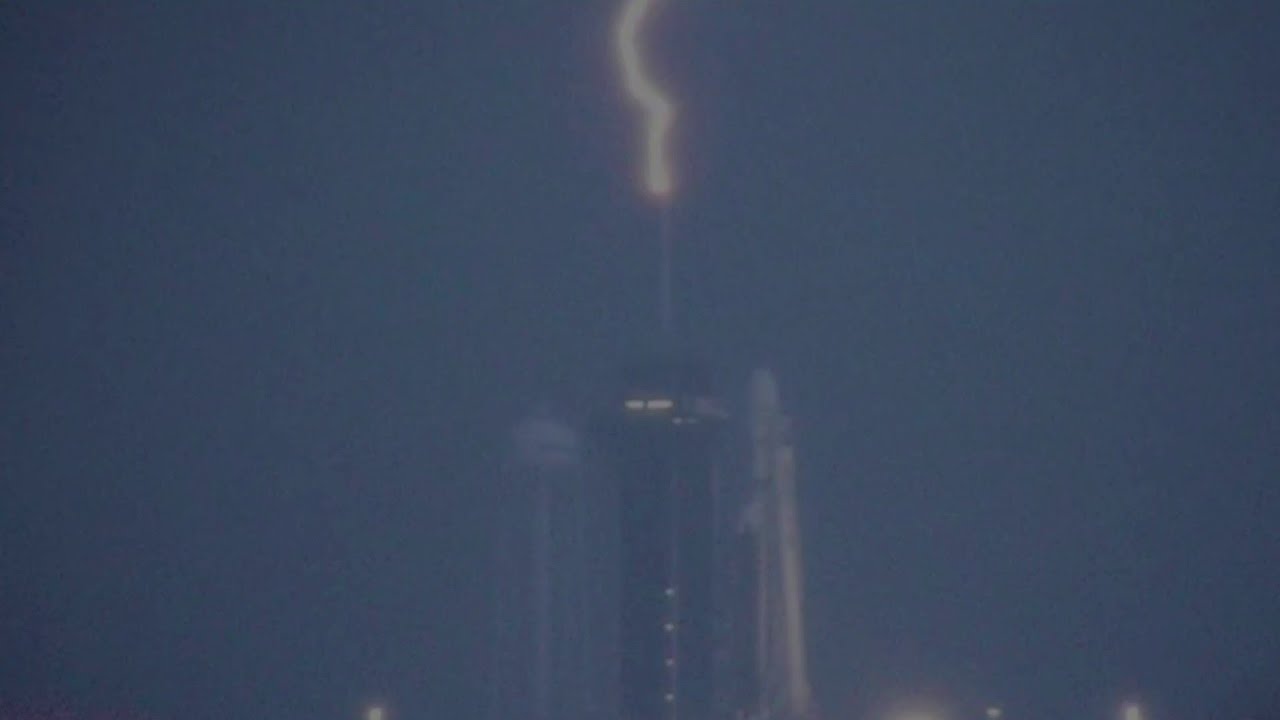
[{"x": 770, "y": 529}]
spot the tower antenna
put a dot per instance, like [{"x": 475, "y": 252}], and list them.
[{"x": 664, "y": 281}]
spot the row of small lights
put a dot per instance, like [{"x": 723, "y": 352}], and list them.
[
  {"x": 1128, "y": 711},
  {"x": 672, "y": 644},
  {"x": 661, "y": 404},
  {"x": 656, "y": 404}
]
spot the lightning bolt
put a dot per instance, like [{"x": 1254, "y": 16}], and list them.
[{"x": 658, "y": 111}]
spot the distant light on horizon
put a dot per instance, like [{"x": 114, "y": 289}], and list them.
[
  {"x": 995, "y": 712},
  {"x": 918, "y": 716},
  {"x": 1133, "y": 711},
  {"x": 375, "y": 713}
]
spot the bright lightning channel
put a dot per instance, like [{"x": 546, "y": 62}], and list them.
[{"x": 658, "y": 111}]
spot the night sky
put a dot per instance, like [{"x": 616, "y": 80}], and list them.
[{"x": 277, "y": 278}]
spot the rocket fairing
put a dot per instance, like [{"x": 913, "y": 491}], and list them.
[{"x": 766, "y": 423}]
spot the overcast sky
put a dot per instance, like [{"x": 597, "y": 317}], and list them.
[{"x": 276, "y": 278}]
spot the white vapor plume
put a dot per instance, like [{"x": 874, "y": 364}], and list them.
[{"x": 658, "y": 111}]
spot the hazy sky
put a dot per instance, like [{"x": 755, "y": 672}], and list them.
[{"x": 275, "y": 279}]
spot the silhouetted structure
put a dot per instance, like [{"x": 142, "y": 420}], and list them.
[{"x": 660, "y": 441}]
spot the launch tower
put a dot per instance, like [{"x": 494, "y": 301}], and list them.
[{"x": 661, "y": 441}]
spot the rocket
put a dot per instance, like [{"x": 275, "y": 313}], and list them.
[{"x": 781, "y": 661}]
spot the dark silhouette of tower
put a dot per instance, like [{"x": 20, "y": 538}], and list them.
[{"x": 660, "y": 443}]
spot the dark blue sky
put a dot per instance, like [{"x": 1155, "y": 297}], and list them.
[{"x": 275, "y": 279}]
